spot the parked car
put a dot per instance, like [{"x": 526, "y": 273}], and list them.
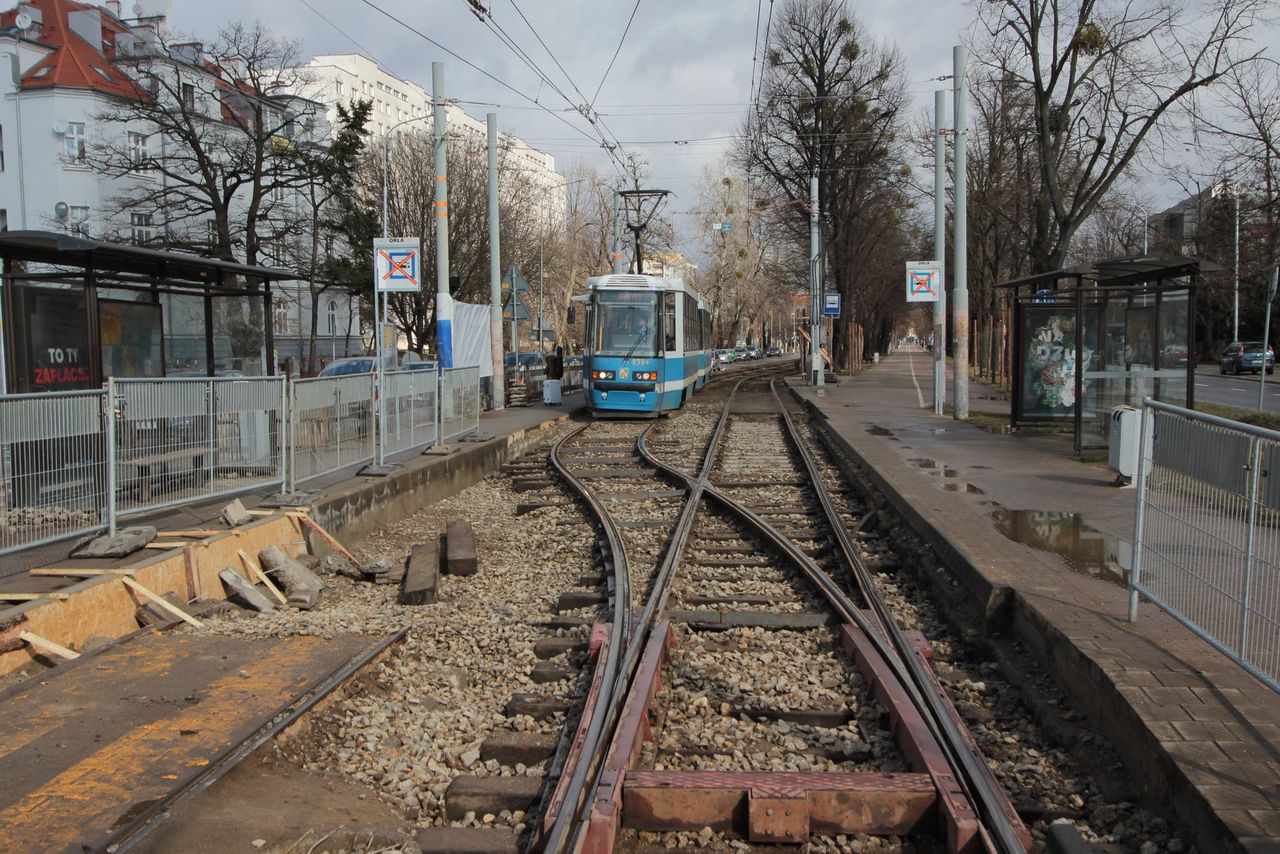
[
  {"x": 349, "y": 365},
  {"x": 1241, "y": 356},
  {"x": 773, "y": 352},
  {"x": 753, "y": 352},
  {"x": 532, "y": 361},
  {"x": 740, "y": 353}
]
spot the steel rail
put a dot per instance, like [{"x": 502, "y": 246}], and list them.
[
  {"x": 654, "y": 605},
  {"x": 572, "y": 820},
  {"x": 984, "y": 790},
  {"x": 591, "y": 754},
  {"x": 924, "y": 701}
]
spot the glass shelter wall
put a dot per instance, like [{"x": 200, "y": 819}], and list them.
[{"x": 1081, "y": 353}]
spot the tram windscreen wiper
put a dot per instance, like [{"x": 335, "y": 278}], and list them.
[{"x": 644, "y": 333}]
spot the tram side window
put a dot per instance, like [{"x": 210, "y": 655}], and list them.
[
  {"x": 669, "y": 321},
  {"x": 690, "y": 324},
  {"x": 703, "y": 315}
]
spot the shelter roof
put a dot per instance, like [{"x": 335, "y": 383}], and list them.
[{"x": 50, "y": 247}]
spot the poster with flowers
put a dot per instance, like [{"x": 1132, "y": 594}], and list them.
[{"x": 1049, "y": 367}]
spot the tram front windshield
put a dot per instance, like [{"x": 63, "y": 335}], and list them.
[{"x": 624, "y": 323}]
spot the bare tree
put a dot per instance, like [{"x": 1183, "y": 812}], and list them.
[
  {"x": 527, "y": 214},
  {"x": 1103, "y": 78},
  {"x": 830, "y": 105},
  {"x": 205, "y": 147}
]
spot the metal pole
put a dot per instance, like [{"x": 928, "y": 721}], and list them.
[
  {"x": 1145, "y": 229},
  {"x": 110, "y": 415},
  {"x": 960, "y": 241},
  {"x": 444, "y": 303},
  {"x": 817, "y": 371},
  {"x": 1266, "y": 338},
  {"x": 380, "y": 308},
  {"x": 495, "y": 272},
  {"x": 541, "y": 306},
  {"x": 1255, "y": 472},
  {"x": 1235, "y": 328},
  {"x": 616, "y": 257},
  {"x": 940, "y": 252},
  {"x": 1145, "y": 436}
]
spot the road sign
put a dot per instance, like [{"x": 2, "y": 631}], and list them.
[
  {"x": 924, "y": 281},
  {"x": 516, "y": 304},
  {"x": 396, "y": 264},
  {"x": 831, "y": 305},
  {"x": 514, "y": 275}
]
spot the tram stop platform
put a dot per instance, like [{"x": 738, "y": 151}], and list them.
[{"x": 1039, "y": 542}]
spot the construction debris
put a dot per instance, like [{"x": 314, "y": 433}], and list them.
[
  {"x": 124, "y": 543},
  {"x": 240, "y": 591},
  {"x": 383, "y": 570},
  {"x": 235, "y": 514},
  {"x": 301, "y": 585}
]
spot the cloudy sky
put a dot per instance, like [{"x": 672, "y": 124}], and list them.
[{"x": 683, "y": 72}]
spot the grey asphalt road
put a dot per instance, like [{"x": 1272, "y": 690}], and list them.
[{"x": 1242, "y": 391}]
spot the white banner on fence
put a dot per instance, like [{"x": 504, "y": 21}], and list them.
[{"x": 471, "y": 342}]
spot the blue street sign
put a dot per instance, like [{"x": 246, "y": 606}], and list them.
[{"x": 831, "y": 305}]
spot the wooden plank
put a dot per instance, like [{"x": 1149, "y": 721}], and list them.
[
  {"x": 30, "y": 597},
  {"x": 45, "y": 645},
  {"x": 199, "y": 534},
  {"x": 332, "y": 541},
  {"x": 261, "y": 512},
  {"x": 193, "y": 574},
  {"x": 261, "y": 576},
  {"x": 461, "y": 556},
  {"x": 422, "y": 575},
  {"x": 74, "y": 571},
  {"x": 162, "y": 602},
  {"x": 165, "y": 546}
]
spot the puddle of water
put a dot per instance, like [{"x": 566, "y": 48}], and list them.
[
  {"x": 876, "y": 430},
  {"x": 999, "y": 430},
  {"x": 964, "y": 487},
  {"x": 1084, "y": 548}
]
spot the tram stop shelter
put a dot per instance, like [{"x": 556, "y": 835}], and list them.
[
  {"x": 1091, "y": 338},
  {"x": 78, "y": 310}
]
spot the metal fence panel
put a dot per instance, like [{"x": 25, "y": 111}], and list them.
[
  {"x": 1207, "y": 534},
  {"x": 411, "y": 410},
  {"x": 183, "y": 440},
  {"x": 53, "y": 480},
  {"x": 459, "y": 402},
  {"x": 332, "y": 424}
]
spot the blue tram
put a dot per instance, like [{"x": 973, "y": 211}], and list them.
[{"x": 648, "y": 344}]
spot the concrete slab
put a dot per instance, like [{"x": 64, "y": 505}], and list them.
[
  {"x": 96, "y": 743},
  {"x": 1152, "y": 687}
]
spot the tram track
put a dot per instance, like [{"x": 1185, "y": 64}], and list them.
[{"x": 791, "y": 548}]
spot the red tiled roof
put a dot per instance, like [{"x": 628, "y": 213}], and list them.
[{"x": 74, "y": 62}]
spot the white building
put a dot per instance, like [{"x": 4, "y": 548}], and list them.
[
  {"x": 343, "y": 78},
  {"x": 68, "y": 64}
]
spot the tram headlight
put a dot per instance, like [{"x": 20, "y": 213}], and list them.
[
  {"x": 602, "y": 375},
  {"x": 651, "y": 376}
]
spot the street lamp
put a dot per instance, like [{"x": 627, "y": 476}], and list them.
[{"x": 386, "y": 155}]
